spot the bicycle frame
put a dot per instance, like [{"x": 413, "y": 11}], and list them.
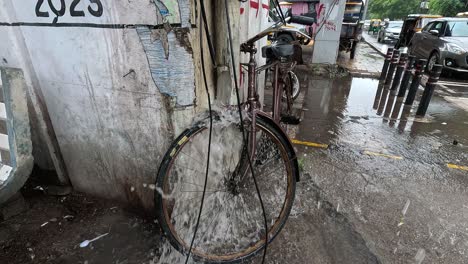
[{"x": 252, "y": 104}]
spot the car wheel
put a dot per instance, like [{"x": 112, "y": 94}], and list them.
[{"x": 433, "y": 60}]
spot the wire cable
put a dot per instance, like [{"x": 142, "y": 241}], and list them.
[
  {"x": 244, "y": 138},
  {"x": 278, "y": 7},
  {"x": 210, "y": 133},
  {"x": 207, "y": 34}
]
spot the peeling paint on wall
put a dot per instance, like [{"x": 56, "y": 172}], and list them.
[
  {"x": 102, "y": 83},
  {"x": 169, "y": 9},
  {"x": 170, "y": 71},
  {"x": 168, "y": 51}
]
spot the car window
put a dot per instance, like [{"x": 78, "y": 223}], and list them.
[
  {"x": 424, "y": 21},
  {"x": 395, "y": 25},
  {"x": 427, "y": 27},
  {"x": 437, "y": 26},
  {"x": 457, "y": 29}
]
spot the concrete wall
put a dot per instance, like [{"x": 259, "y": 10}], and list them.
[
  {"x": 119, "y": 80},
  {"x": 247, "y": 20},
  {"x": 254, "y": 19}
]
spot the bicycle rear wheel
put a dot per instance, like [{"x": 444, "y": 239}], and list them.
[
  {"x": 231, "y": 227},
  {"x": 294, "y": 86}
]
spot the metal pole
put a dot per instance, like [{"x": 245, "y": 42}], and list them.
[
  {"x": 388, "y": 59},
  {"x": 407, "y": 76},
  {"x": 416, "y": 81},
  {"x": 388, "y": 108},
  {"x": 396, "y": 111},
  {"x": 429, "y": 90},
  {"x": 378, "y": 94},
  {"x": 391, "y": 68},
  {"x": 383, "y": 99},
  {"x": 401, "y": 67},
  {"x": 366, "y": 9},
  {"x": 404, "y": 118},
  {"x": 395, "y": 84},
  {"x": 388, "y": 80}
]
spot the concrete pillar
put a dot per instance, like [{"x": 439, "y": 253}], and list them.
[{"x": 330, "y": 18}]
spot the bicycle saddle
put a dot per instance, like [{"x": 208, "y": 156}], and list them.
[{"x": 278, "y": 50}]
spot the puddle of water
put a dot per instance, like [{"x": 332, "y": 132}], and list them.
[{"x": 356, "y": 111}]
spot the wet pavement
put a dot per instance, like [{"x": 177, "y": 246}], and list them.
[
  {"x": 389, "y": 178},
  {"x": 52, "y": 228},
  {"x": 379, "y": 47},
  {"x": 367, "y": 63},
  {"x": 389, "y": 187}
]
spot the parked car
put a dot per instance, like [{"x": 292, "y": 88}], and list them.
[
  {"x": 412, "y": 24},
  {"x": 443, "y": 41},
  {"x": 390, "y": 31}
]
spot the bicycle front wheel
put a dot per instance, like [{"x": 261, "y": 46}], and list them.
[{"x": 231, "y": 226}]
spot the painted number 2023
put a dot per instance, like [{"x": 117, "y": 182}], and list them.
[{"x": 95, "y": 8}]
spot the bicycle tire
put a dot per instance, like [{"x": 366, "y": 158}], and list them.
[
  {"x": 296, "y": 89},
  {"x": 268, "y": 127},
  {"x": 293, "y": 80}
]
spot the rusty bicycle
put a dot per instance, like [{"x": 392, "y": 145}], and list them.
[{"x": 231, "y": 225}]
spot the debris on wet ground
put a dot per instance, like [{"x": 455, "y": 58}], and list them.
[
  {"x": 87, "y": 242},
  {"x": 326, "y": 70},
  {"x": 53, "y": 228}
]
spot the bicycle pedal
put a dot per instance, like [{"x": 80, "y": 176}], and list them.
[{"x": 290, "y": 120}]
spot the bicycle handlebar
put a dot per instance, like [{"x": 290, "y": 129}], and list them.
[{"x": 303, "y": 20}]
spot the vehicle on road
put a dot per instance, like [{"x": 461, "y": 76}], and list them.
[
  {"x": 462, "y": 14},
  {"x": 351, "y": 30},
  {"x": 390, "y": 31},
  {"x": 367, "y": 24},
  {"x": 413, "y": 23},
  {"x": 443, "y": 41},
  {"x": 374, "y": 26}
]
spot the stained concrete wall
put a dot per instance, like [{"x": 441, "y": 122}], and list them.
[
  {"x": 119, "y": 80},
  {"x": 247, "y": 19}
]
